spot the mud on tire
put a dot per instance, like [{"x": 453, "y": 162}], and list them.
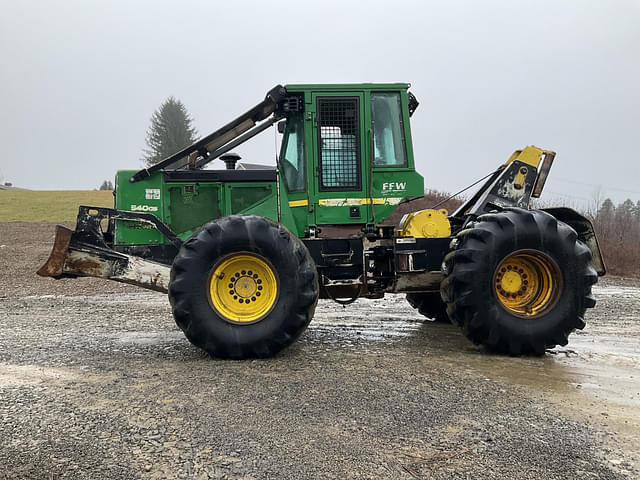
[
  {"x": 492, "y": 317},
  {"x": 192, "y": 296}
]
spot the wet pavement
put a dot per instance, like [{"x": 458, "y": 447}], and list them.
[{"x": 74, "y": 353}]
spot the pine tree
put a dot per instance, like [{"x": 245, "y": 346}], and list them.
[
  {"x": 605, "y": 217},
  {"x": 636, "y": 222},
  {"x": 170, "y": 131},
  {"x": 624, "y": 219},
  {"x": 636, "y": 212}
]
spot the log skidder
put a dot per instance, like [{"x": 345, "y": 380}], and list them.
[
  {"x": 245, "y": 253},
  {"x": 518, "y": 281}
]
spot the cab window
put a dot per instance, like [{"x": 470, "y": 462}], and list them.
[
  {"x": 388, "y": 134},
  {"x": 292, "y": 164}
]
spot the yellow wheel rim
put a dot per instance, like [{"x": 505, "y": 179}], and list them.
[
  {"x": 243, "y": 288},
  {"x": 527, "y": 283}
]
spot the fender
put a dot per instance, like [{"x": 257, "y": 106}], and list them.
[{"x": 586, "y": 233}]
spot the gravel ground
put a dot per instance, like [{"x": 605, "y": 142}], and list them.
[{"x": 96, "y": 381}]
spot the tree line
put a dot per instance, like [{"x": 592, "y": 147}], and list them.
[{"x": 618, "y": 231}]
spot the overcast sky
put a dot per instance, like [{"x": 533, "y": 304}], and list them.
[{"x": 79, "y": 80}]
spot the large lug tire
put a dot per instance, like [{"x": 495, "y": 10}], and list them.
[
  {"x": 243, "y": 287},
  {"x": 430, "y": 305},
  {"x": 518, "y": 282}
]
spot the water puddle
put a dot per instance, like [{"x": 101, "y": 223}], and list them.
[
  {"x": 618, "y": 291},
  {"x": 142, "y": 297},
  {"x": 598, "y": 361}
]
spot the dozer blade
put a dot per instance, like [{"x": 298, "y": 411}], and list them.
[
  {"x": 55, "y": 264},
  {"x": 71, "y": 257}
]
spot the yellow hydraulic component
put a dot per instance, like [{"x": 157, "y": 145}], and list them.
[
  {"x": 243, "y": 288},
  {"x": 530, "y": 155},
  {"x": 527, "y": 283},
  {"x": 425, "y": 223},
  {"x": 518, "y": 182}
]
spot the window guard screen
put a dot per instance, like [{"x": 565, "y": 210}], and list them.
[{"x": 339, "y": 143}]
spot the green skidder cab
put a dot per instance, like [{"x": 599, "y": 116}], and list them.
[{"x": 244, "y": 254}]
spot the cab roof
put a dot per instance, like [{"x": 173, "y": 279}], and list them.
[{"x": 341, "y": 87}]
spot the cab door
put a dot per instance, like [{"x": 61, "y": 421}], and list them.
[{"x": 341, "y": 178}]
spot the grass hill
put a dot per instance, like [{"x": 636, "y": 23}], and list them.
[{"x": 49, "y": 205}]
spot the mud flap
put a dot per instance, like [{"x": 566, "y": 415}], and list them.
[{"x": 586, "y": 233}]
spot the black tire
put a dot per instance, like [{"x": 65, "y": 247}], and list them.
[
  {"x": 430, "y": 305},
  {"x": 190, "y": 289},
  {"x": 471, "y": 288}
]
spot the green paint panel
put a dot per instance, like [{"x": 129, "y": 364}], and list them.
[
  {"x": 192, "y": 205},
  {"x": 185, "y": 206},
  {"x": 247, "y": 196},
  {"x": 257, "y": 198},
  {"x": 144, "y": 196}
]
